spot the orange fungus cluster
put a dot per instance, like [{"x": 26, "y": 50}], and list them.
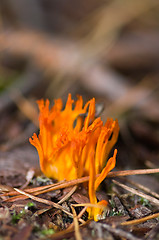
[{"x": 73, "y": 143}]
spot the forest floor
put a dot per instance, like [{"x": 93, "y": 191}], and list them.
[{"x": 114, "y": 60}]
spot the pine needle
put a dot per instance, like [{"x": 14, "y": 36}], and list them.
[
  {"x": 45, "y": 201},
  {"x": 65, "y": 184},
  {"x": 141, "y": 194},
  {"x": 76, "y": 224},
  {"x": 141, "y": 220}
]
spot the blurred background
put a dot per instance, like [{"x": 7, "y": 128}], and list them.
[{"x": 103, "y": 49}]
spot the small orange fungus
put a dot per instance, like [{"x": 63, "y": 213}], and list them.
[{"x": 71, "y": 146}]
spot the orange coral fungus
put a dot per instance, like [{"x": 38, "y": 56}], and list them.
[{"x": 71, "y": 146}]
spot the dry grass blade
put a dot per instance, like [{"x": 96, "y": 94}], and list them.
[
  {"x": 56, "y": 186},
  {"x": 141, "y": 220},
  {"x": 75, "y": 219},
  {"x": 141, "y": 194},
  {"x": 45, "y": 201}
]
